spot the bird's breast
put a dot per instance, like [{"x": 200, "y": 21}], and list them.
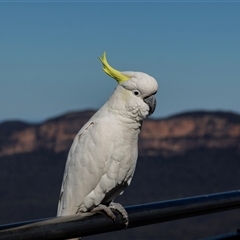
[{"x": 124, "y": 157}]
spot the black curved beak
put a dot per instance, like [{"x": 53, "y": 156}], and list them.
[{"x": 151, "y": 102}]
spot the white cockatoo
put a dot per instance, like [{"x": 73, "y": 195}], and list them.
[{"x": 103, "y": 156}]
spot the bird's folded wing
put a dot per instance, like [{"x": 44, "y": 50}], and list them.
[{"x": 86, "y": 164}]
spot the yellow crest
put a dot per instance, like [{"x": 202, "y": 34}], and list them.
[{"x": 111, "y": 71}]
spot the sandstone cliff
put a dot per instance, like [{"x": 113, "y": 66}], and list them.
[
  {"x": 171, "y": 136},
  {"x": 189, "y": 131}
]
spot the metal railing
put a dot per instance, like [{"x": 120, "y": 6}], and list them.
[{"x": 74, "y": 226}]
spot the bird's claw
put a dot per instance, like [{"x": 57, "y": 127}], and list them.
[
  {"x": 108, "y": 211},
  {"x": 119, "y": 208},
  {"x": 105, "y": 210}
]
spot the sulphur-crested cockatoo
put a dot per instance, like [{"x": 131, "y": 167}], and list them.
[{"x": 103, "y": 156}]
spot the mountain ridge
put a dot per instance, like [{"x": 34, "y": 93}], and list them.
[
  {"x": 167, "y": 136},
  {"x": 230, "y": 115}
]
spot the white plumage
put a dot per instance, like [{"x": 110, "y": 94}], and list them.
[{"x": 103, "y": 156}]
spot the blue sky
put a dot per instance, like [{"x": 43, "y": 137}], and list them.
[{"x": 49, "y": 55}]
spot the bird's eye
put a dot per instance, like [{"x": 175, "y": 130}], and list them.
[{"x": 136, "y": 92}]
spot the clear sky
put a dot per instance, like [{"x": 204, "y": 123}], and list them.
[{"x": 49, "y": 55}]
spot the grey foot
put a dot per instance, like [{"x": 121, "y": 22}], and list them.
[
  {"x": 104, "y": 209},
  {"x": 119, "y": 208}
]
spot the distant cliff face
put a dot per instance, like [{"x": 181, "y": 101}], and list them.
[
  {"x": 55, "y": 134},
  {"x": 181, "y": 133},
  {"x": 171, "y": 136}
]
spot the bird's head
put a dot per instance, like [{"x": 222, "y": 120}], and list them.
[{"x": 135, "y": 91}]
